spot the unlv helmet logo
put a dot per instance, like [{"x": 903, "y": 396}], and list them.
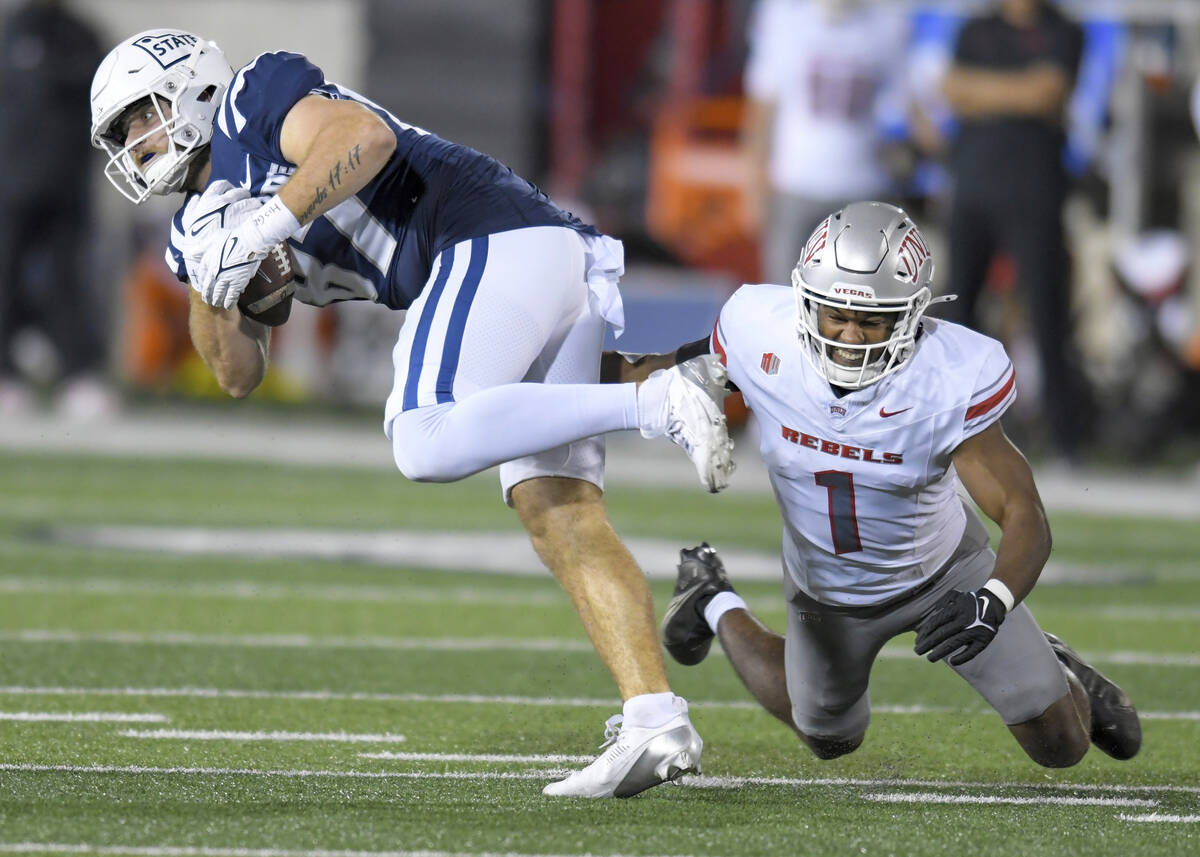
[
  {"x": 913, "y": 252},
  {"x": 770, "y": 363},
  {"x": 816, "y": 242}
]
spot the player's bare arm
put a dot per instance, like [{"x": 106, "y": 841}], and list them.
[
  {"x": 337, "y": 146},
  {"x": 999, "y": 480},
  {"x": 232, "y": 346},
  {"x": 619, "y": 368}
]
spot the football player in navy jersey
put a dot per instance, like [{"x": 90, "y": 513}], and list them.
[{"x": 498, "y": 359}]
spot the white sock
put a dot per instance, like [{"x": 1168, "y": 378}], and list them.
[
  {"x": 649, "y": 709},
  {"x": 720, "y": 604}
]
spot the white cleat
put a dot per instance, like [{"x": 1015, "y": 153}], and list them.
[
  {"x": 683, "y": 403},
  {"x": 637, "y": 758}
]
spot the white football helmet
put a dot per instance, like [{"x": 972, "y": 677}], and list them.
[
  {"x": 183, "y": 78},
  {"x": 868, "y": 257}
]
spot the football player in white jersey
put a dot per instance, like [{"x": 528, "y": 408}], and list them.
[
  {"x": 871, "y": 418},
  {"x": 498, "y": 357}
]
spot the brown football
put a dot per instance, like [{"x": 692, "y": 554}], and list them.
[{"x": 268, "y": 296}]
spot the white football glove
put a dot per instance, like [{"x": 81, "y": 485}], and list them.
[
  {"x": 250, "y": 227},
  {"x": 207, "y": 223}
]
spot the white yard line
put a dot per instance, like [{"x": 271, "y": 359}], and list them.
[
  {"x": 546, "y": 759},
  {"x": 80, "y": 717},
  {"x": 1161, "y": 817},
  {"x": 296, "y": 641},
  {"x": 701, "y": 782},
  {"x": 444, "y": 644},
  {"x": 267, "y": 591},
  {"x": 222, "y": 735},
  {"x": 211, "y": 851},
  {"x": 252, "y": 590},
  {"x": 935, "y": 797},
  {"x": 465, "y": 699}
]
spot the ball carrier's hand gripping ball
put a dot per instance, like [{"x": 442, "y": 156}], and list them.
[{"x": 268, "y": 296}]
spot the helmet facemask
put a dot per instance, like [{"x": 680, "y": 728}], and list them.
[
  {"x": 185, "y": 94},
  {"x": 866, "y": 258},
  {"x": 880, "y": 358}
]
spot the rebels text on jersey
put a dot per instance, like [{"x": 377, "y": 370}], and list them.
[
  {"x": 865, "y": 480},
  {"x": 381, "y": 243}
]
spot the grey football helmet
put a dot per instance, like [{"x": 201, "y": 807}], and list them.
[{"x": 868, "y": 257}]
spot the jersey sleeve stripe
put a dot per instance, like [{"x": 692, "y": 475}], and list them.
[
  {"x": 717, "y": 347},
  {"x": 988, "y": 404}
]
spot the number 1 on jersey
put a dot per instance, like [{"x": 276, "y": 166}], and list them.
[{"x": 842, "y": 521}]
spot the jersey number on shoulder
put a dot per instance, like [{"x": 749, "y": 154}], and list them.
[{"x": 843, "y": 523}]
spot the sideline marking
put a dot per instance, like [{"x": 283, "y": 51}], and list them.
[
  {"x": 216, "y": 735},
  {"x": 496, "y": 551},
  {"x": 80, "y": 717},
  {"x": 935, "y": 797},
  {"x": 1160, "y": 817},
  {"x": 470, "y": 699},
  {"x": 696, "y": 781},
  {"x": 475, "y": 757}
]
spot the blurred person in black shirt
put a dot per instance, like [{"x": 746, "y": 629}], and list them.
[
  {"x": 47, "y": 57},
  {"x": 1013, "y": 73}
]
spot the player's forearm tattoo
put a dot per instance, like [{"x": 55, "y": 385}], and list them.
[
  {"x": 319, "y": 197},
  {"x": 350, "y": 164}
]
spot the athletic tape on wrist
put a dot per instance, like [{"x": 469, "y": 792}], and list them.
[
  {"x": 275, "y": 223},
  {"x": 719, "y": 605},
  {"x": 1001, "y": 591}
]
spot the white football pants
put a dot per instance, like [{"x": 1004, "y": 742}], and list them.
[{"x": 499, "y": 357}]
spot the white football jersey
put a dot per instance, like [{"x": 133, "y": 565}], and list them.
[
  {"x": 839, "y": 82},
  {"x": 865, "y": 480}
]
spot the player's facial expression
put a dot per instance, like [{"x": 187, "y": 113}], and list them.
[
  {"x": 140, "y": 119},
  {"x": 854, "y": 327}
]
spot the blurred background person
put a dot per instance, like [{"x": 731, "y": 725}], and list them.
[
  {"x": 825, "y": 88},
  {"x": 47, "y": 56},
  {"x": 1013, "y": 73}
]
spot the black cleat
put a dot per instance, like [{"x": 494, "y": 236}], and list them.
[
  {"x": 685, "y": 633},
  {"x": 1115, "y": 726}
]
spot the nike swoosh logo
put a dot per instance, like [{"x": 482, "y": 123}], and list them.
[
  {"x": 202, "y": 223},
  {"x": 885, "y": 413}
]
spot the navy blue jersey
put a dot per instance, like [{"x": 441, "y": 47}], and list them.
[{"x": 381, "y": 243}]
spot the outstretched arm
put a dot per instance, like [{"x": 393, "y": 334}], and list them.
[{"x": 619, "y": 368}]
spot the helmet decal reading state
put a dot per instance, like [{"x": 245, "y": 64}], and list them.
[{"x": 166, "y": 49}]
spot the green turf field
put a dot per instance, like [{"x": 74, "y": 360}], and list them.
[{"x": 162, "y": 701}]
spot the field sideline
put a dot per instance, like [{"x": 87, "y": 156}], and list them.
[{"x": 396, "y": 678}]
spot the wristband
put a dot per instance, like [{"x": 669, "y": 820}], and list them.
[
  {"x": 1001, "y": 591},
  {"x": 274, "y": 223}
]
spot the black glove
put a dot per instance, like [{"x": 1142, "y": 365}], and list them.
[{"x": 967, "y": 620}]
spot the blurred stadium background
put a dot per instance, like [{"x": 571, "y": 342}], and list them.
[{"x": 628, "y": 112}]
